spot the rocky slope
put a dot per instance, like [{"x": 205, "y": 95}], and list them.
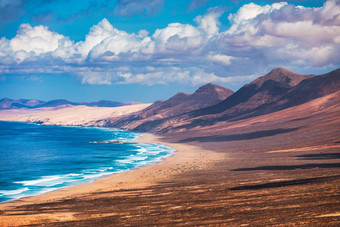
[
  {"x": 207, "y": 95},
  {"x": 277, "y": 90}
]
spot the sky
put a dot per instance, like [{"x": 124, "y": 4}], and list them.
[{"x": 147, "y": 50}]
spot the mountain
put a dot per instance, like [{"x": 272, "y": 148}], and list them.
[
  {"x": 310, "y": 89},
  {"x": 6, "y": 103},
  {"x": 263, "y": 90},
  {"x": 207, "y": 95},
  {"x": 106, "y": 103},
  {"x": 55, "y": 103},
  {"x": 279, "y": 89}
]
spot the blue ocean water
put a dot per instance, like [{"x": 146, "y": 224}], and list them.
[{"x": 35, "y": 159}]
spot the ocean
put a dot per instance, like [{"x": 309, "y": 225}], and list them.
[{"x": 35, "y": 159}]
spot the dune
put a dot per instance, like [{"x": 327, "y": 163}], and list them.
[{"x": 69, "y": 116}]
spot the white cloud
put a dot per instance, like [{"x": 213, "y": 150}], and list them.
[
  {"x": 243, "y": 19},
  {"x": 223, "y": 59},
  {"x": 120, "y": 42},
  {"x": 175, "y": 37},
  {"x": 97, "y": 34},
  {"x": 330, "y": 13},
  {"x": 31, "y": 41},
  {"x": 306, "y": 31},
  {"x": 283, "y": 33},
  {"x": 37, "y": 39},
  {"x": 209, "y": 22},
  {"x": 259, "y": 38}
]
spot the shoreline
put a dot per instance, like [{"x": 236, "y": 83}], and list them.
[
  {"x": 135, "y": 140},
  {"x": 221, "y": 176},
  {"x": 185, "y": 158}
]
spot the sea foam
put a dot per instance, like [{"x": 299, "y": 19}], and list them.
[{"x": 68, "y": 158}]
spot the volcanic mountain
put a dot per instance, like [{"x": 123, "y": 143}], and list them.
[
  {"x": 207, "y": 95},
  {"x": 277, "y": 90},
  {"x": 265, "y": 89}
]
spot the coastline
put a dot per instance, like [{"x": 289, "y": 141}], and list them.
[
  {"x": 186, "y": 158},
  {"x": 47, "y": 181},
  {"x": 283, "y": 177}
]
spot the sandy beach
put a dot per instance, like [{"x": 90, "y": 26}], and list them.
[{"x": 186, "y": 158}]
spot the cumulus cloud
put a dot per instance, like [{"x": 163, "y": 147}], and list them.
[
  {"x": 244, "y": 20},
  {"x": 138, "y": 7},
  {"x": 259, "y": 38},
  {"x": 37, "y": 40},
  {"x": 209, "y": 22},
  {"x": 174, "y": 38},
  {"x": 31, "y": 42},
  {"x": 284, "y": 33}
]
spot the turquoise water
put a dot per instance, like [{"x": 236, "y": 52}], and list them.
[{"x": 35, "y": 159}]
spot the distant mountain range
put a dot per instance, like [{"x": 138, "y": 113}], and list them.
[
  {"x": 6, "y": 103},
  {"x": 279, "y": 89}
]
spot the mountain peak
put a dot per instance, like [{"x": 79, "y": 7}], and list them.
[
  {"x": 209, "y": 86},
  {"x": 280, "y": 70},
  {"x": 281, "y": 75},
  {"x": 210, "y": 89}
]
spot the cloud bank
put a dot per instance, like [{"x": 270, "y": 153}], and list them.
[{"x": 258, "y": 39}]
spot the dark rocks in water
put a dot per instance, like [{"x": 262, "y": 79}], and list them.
[{"x": 110, "y": 141}]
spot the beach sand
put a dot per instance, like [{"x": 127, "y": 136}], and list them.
[{"x": 186, "y": 158}]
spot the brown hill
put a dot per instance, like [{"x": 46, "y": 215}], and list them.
[
  {"x": 265, "y": 89},
  {"x": 305, "y": 91},
  {"x": 277, "y": 90},
  {"x": 181, "y": 103},
  {"x": 282, "y": 76}
]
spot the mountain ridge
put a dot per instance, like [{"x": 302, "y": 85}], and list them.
[
  {"x": 7, "y": 103},
  {"x": 180, "y": 103},
  {"x": 277, "y": 90}
]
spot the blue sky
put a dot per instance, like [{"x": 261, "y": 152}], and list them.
[{"x": 145, "y": 50}]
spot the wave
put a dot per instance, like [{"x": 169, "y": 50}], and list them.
[
  {"x": 44, "y": 181},
  {"x": 13, "y": 192},
  {"x": 144, "y": 154}
]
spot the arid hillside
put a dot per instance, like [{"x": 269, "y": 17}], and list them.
[
  {"x": 207, "y": 95},
  {"x": 280, "y": 89}
]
